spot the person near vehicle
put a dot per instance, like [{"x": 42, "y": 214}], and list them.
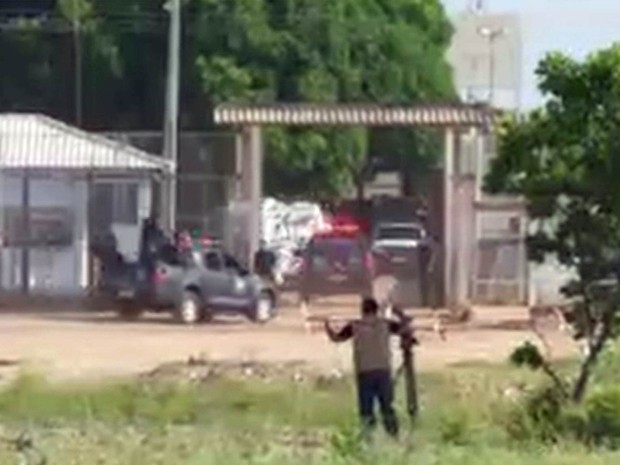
[
  {"x": 372, "y": 363},
  {"x": 427, "y": 258},
  {"x": 264, "y": 261},
  {"x": 184, "y": 246},
  {"x": 108, "y": 259}
]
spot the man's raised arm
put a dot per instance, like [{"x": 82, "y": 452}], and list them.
[{"x": 344, "y": 334}]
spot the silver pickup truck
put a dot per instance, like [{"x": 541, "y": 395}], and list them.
[{"x": 194, "y": 287}]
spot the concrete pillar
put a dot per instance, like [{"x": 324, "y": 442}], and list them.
[
  {"x": 480, "y": 157},
  {"x": 25, "y": 250},
  {"x": 479, "y": 150},
  {"x": 251, "y": 187},
  {"x": 80, "y": 230},
  {"x": 145, "y": 190},
  {"x": 463, "y": 215},
  {"x": 448, "y": 213},
  {"x": 524, "y": 288}
]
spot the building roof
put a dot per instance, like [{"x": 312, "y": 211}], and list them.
[
  {"x": 305, "y": 114},
  {"x": 34, "y": 141}
]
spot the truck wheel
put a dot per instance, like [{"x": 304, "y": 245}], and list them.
[
  {"x": 190, "y": 310},
  {"x": 264, "y": 308},
  {"x": 129, "y": 311}
]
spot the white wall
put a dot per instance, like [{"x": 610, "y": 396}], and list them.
[
  {"x": 470, "y": 56},
  {"x": 128, "y": 234},
  {"x": 52, "y": 269},
  {"x": 62, "y": 270},
  {"x": 546, "y": 280}
]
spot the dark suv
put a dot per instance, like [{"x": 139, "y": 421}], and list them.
[{"x": 335, "y": 264}]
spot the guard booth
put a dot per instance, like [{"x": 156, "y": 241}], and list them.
[
  {"x": 464, "y": 128},
  {"x": 61, "y": 188}
]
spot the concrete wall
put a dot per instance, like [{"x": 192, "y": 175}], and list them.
[{"x": 546, "y": 280}]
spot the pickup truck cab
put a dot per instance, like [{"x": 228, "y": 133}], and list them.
[{"x": 397, "y": 249}]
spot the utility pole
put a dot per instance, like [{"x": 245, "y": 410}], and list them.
[
  {"x": 492, "y": 34},
  {"x": 171, "y": 116},
  {"x": 77, "y": 50}
]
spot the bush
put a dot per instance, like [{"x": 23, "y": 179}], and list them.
[
  {"x": 602, "y": 411},
  {"x": 538, "y": 418},
  {"x": 455, "y": 427},
  {"x": 546, "y": 417}
]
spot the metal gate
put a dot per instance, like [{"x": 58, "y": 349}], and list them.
[{"x": 500, "y": 271}]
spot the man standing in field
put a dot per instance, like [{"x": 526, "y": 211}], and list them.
[{"x": 372, "y": 363}]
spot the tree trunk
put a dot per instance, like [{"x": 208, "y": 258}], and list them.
[
  {"x": 556, "y": 379},
  {"x": 581, "y": 383}
]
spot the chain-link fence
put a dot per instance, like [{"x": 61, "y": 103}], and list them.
[{"x": 206, "y": 177}]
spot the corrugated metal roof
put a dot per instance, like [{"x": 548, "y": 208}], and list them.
[
  {"x": 36, "y": 141},
  {"x": 302, "y": 114}
]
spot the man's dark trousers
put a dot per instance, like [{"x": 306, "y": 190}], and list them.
[{"x": 377, "y": 384}]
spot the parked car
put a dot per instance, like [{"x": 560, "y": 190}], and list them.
[{"x": 193, "y": 286}]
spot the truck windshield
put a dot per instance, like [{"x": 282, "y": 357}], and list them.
[{"x": 400, "y": 232}]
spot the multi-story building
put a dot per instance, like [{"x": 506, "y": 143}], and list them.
[{"x": 486, "y": 56}]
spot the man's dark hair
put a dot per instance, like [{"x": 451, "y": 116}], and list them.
[{"x": 369, "y": 306}]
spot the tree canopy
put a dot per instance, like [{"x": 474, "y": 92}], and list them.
[
  {"x": 380, "y": 51},
  {"x": 564, "y": 159}
]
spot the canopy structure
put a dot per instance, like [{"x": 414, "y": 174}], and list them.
[
  {"x": 453, "y": 119},
  {"x": 37, "y": 142},
  {"x": 305, "y": 114}
]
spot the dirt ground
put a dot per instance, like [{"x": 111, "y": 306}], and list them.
[{"x": 87, "y": 345}]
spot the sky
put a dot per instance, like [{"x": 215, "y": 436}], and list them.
[{"x": 575, "y": 27}]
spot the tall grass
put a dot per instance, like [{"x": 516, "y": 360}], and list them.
[
  {"x": 462, "y": 421},
  {"x": 225, "y": 402}
]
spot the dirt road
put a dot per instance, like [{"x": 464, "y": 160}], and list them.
[{"x": 85, "y": 345}]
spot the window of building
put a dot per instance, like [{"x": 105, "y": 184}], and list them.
[{"x": 125, "y": 203}]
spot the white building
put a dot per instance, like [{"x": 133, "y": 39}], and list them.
[
  {"x": 60, "y": 187},
  {"x": 486, "y": 57}
]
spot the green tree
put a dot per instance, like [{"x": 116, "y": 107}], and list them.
[
  {"x": 564, "y": 159},
  {"x": 379, "y": 51}
]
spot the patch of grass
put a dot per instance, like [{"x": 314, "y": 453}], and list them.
[
  {"x": 253, "y": 422},
  {"x": 228, "y": 402},
  {"x": 177, "y": 445}
]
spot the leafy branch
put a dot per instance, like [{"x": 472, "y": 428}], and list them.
[{"x": 563, "y": 160}]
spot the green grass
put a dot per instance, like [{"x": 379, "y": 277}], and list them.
[{"x": 253, "y": 422}]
